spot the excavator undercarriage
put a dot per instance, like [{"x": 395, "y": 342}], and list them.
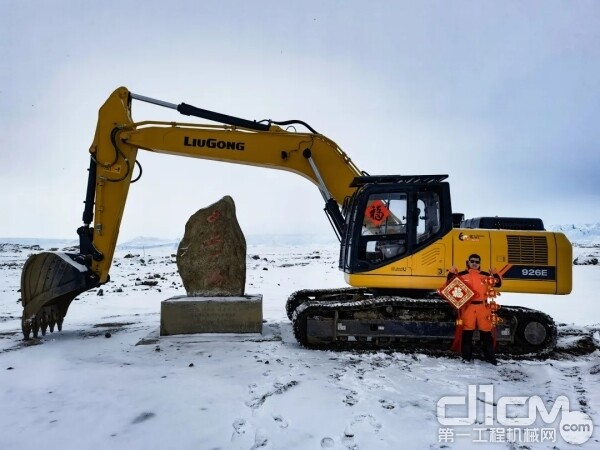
[{"x": 342, "y": 319}]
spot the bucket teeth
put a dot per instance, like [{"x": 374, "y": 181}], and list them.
[
  {"x": 35, "y": 328},
  {"x": 43, "y": 321},
  {"x": 48, "y": 318},
  {"x": 26, "y": 327}
]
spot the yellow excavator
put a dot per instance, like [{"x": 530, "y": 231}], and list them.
[{"x": 398, "y": 236}]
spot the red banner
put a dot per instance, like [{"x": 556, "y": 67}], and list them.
[
  {"x": 377, "y": 212},
  {"x": 457, "y": 293}
]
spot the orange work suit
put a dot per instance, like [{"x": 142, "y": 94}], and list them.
[{"x": 476, "y": 315}]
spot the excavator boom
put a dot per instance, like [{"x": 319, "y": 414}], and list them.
[{"x": 50, "y": 281}]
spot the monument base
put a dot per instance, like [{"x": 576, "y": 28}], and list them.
[{"x": 189, "y": 315}]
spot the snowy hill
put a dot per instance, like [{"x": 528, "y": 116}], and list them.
[
  {"x": 144, "y": 242},
  {"x": 587, "y": 235}
]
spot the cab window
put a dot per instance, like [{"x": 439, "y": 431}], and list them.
[
  {"x": 428, "y": 212},
  {"x": 383, "y": 235}
]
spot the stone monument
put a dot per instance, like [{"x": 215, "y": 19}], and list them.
[{"x": 211, "y": 259}]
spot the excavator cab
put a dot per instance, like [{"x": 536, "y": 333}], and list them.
[{"x": 392, "y": 217}]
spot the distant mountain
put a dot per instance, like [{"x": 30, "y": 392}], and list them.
[
  {"x": 142, "y": 242},
  {"x": 146, "y": 242},
  {"x": 42, "y": 242},
  {"x": 587, "y": 235},
  {"x": 291, "y": 239}
]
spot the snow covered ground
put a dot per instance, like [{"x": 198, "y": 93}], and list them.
[{"x": 109, "y": 381}]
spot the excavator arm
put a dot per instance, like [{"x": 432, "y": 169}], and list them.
[{"x": 50, "y": 281}]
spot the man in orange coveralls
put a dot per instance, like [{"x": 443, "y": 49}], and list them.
[{"x": 477, "y": 313}]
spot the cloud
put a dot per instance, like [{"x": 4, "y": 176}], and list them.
[{"x": 501, "y": 97}]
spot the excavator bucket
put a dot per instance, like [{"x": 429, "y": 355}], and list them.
[{"x": 49, "y": 283}]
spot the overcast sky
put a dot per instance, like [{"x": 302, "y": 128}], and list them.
[{"x": 503, "y": 96}]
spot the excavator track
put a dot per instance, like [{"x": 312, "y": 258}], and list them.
[
  {"x": 304, "y": 295},
  {"x": 349, "y": 319}
]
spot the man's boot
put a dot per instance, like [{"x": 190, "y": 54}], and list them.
[
  {"x": 487, "y": 342},
  {"x": 466, "y": 346}
]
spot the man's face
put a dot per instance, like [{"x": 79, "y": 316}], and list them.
[{"x": 474, "y": 262}]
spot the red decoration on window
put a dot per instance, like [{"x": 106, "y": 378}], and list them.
[{"x": 377, "y": 212}]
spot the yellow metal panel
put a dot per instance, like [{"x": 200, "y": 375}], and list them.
[
  {"x": 564, "y": 264},
  {"x": 427, "y": 269},
  {"x": 430, "y": 261},
  {"x": 393, "y": 281},
  {"x": 467, "y": 242}
]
